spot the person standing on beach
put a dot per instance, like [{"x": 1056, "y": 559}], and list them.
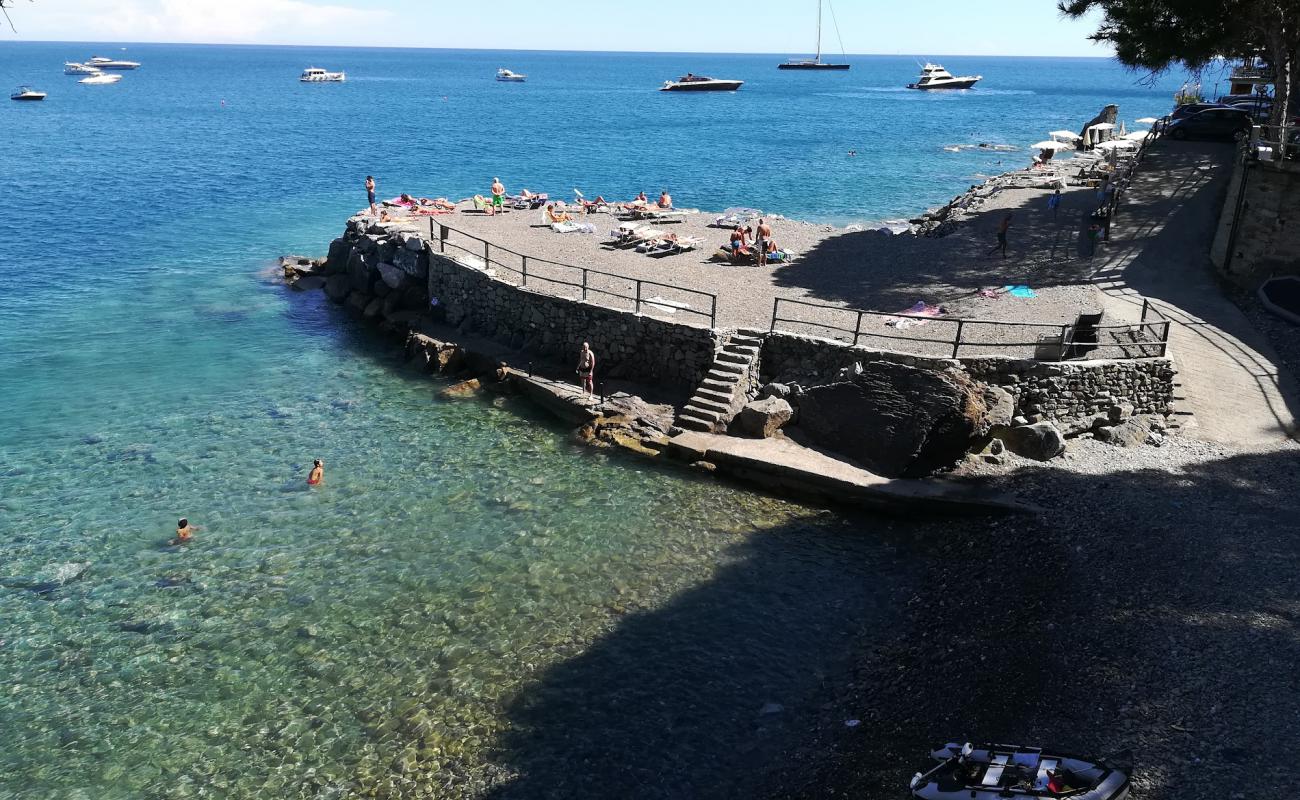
[
  {"x": 586, "y": 368},
  {"x": 1003, "y": 226},
  {"x": 498, "y": 196},
  {"x": 370, "y": 193},
  {"x": 761, "y": 237},
  {"x": 1054, "y": 203}
]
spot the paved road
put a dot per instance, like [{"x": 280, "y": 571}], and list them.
[{"x": 1231, "y": 378}]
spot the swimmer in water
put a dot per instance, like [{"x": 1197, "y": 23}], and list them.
[
  {"x": 184, "y": 532},
  {"x": 317, "y": 473}
]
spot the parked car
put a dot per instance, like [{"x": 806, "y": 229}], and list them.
[
  {"x": 1219, "y": 122},
  {"x": 1234, "y": 99},
  {"x": 1189, "y": 109},
  {"x": 1258, "y": 113}
]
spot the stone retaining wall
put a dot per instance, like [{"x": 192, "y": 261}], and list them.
[
  {"x": 1066, "y": 392},
  {"x": 1268, "y": 233},
  {"x": 382, "y": 262}
]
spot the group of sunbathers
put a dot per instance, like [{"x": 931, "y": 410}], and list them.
[{"x": 741, "y": 251}]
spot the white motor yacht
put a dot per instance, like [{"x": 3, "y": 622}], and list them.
[
  {"x": 100, "y": 78},
  {"x": 700, "y": 83},
  {"x": 318, "y": 75},
  {"x": 27, "y": 94},
  {"x": 506, "y": 76},
  {"x": 74, "y": 68},
  {"x": 934, "y": 76},
  {"x": 99, "y": 62}
]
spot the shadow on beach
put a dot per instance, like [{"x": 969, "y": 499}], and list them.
[{"x": 1147, "y": 610}]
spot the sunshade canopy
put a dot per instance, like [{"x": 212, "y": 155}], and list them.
[
  {"x": 1064, "y": 135},
  {"x": 1050, "y": 145}
]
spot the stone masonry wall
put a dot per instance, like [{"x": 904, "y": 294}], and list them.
[
  {"x": 383, "y": 271},
  {"x": 1066, "y": 392},
  {"x": 1268, "y": 233}
]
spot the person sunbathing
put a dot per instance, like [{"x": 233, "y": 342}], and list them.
[
  {"x": 592, "y": 206},
  {"x": 554, "y": 216},
  {"x": 437, "y": 202},
  {"x": 406, "y": 200}
]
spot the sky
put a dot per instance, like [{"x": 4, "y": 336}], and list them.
[{"x": 895, "y": 27}]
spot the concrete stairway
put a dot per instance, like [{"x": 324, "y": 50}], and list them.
[{"x": 724, "y": 390}]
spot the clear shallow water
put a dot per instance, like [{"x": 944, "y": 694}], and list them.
[{"x": 471, "y": 599}]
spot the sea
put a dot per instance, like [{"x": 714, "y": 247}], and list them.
[{"x": 472, "y": 604}]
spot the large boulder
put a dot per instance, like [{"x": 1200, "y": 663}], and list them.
[
  {"x": 1041, "y": 441},
  {"x": 1132, "y": 432},
  {"x": 337, "y": 287},
  {"x": 1001, "y": 406},
  {"x": 359, "y": 271},
  {"x": 391, "y": 275},
  {"x": 896, "y": 420},
  {"x": 764, "y": 418},
  {"x": 337, "y": 259},
  {"x": 309, "y": 284}
]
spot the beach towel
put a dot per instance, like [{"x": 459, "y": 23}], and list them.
[
  {"x": 572, "y": 227},
  {"x": 1020, "y": 291},
  {"x": 991, "y": 294},
  {"x": 915, "y": 316}
]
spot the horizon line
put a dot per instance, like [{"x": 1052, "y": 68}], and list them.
[{"x": 119, "y": 42}]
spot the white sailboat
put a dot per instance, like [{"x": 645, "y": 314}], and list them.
[{"x": 816, "y": 61}]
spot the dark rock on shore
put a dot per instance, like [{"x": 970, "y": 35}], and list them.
[
  {"x": 896, "y": 420},
  {"x": 764, "y": 418},
  {"x": 1041, "y": 441}
]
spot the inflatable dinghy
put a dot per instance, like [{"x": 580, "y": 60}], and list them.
[{"x": 1000, "y": 771}]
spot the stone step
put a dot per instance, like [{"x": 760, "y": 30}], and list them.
[
  {"x": 729, "y": 379},
  {"x": 717, "y": 395},
  {"x": 746, "y": 350},
  {"x": 741, "y": 341},
  {"x": 719, "y": 384},
  {"x": 709, "y": 404},
  {"x": 750, "y": 333},
  {"x": 733, "y": 358},
  {"x": 694, "y": 424},
  {"x": 701, "y": 413},
  {"x": 731, "y": 367}
]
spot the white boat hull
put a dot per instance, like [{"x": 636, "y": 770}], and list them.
[
  {"x": 955, "y": 83},
  {"x": 702, "y": 86},
  {"x": 100, "y": 79}
]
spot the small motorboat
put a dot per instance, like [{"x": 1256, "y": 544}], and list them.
[
  {"x": 700, "y": 83},
  {"x": 997, "y": 771},
  {"x": 506, "y": 76},
  {"x": 100, "y": 78},
  {"x": 27, "y": 94},
  {"x": 934, "y": 76},
  {"x": 100, "y": 62},
  {"x": 74, "y": 68},
  {"x": 318, "y": 75}
]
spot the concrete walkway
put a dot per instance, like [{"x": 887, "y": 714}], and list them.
[{"x": 1160, "y": 241}]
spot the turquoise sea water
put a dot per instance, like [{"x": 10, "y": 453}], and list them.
[{"x": 471, "y": 600}]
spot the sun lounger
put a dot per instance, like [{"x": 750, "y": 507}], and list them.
[
  {"x": 643, "y": 235},
  {"x": 672, "y": 247}
]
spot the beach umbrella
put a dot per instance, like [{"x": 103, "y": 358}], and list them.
[
  {"x": 1146, "y": 121},
  {"x": 1068, "y": 135},
  {"x": 1102, "y": 126},
  {"x": 1115, "y": 144},
  {"x": 1051, "y": 144}
]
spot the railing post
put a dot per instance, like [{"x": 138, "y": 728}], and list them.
[
  {"x": 638, "y": 297},
  {"x": 487, "y": 254},
  {"x": 1164, "y": 340},
  {"x": 776, "y": 303},
  {"x": 442, "y": 237},
  {"x": 713, "y": 311},
  {"x": 525, "y": 261},
  {"x": 584, "y": 283},
  {"x": 956, "y": 342},
  {"x": 857, "y": 329},
  {"x": 1065, "y": 346}
]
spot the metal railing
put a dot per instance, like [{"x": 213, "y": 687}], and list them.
[
  {"x": 584, "y": 283},
  {"x": 947, "y": 337}
]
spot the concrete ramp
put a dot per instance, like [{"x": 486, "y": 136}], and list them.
[{"x": 785, "y": 466}]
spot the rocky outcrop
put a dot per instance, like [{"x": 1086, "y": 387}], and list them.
[
  {"x": 627, "y": 421},
  {"x": 764, "y": 418},
  {"x": 896, "y": 420}
]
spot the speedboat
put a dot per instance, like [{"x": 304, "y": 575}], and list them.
[
  {"x": 700, "y": 83},
  {"x": 74, "y": 68},
  {"x": 99, "y": 62},
  {"x": 27, "y": 93},
  {"x": 934, "y": 76},
  {"x": 100, "y": 78},
  {"x": 506, "y": 76},
  {"x": 318, "y": 75},
  {"x": 996, "y": 771}
]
